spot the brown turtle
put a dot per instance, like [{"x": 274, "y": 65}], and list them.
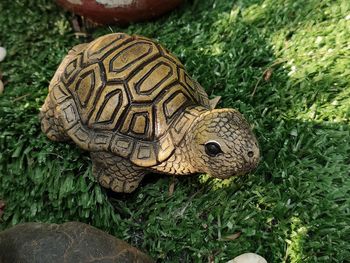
[
  {"x": 131, "y": 103},
  {"x": 71, "y": 242}
]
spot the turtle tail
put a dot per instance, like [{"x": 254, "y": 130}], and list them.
[{"x": 50, "y": 124}]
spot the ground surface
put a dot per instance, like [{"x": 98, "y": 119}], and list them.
[{"x": 285, "y": 64}]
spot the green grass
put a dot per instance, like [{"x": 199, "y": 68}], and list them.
[{"x": 294, "y": 208}]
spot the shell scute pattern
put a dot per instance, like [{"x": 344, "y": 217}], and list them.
[
  {"x": 72, "y": 69},
  {"x": 139, "y": 122},
  {"x": 108, "y": 109},
  {"x": 123, "y": 62},
  {"x": 100, "y": 48},
  {"x": 58, "y": 93},
  {"x": 121, "y": 145},
  {"x": 85, "y": 89},
  {"x": 146, "y": 84},
  {"x": 195, "y": 88},
  {"x": 131, "y": 87}
]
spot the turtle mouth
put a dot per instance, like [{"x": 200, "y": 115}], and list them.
[{"x": 246, "y": 170}]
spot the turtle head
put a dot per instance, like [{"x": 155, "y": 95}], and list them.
[{"x": 222, "y": 144}]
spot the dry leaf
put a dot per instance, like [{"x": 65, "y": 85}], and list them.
[
  {"x": 172, "y": 186},
  {"x": 231, "y": 237},
  {"x": 76, "y": 26},
  {"x": 2, "y": 207},
  {"x": 267, "y": 74}
]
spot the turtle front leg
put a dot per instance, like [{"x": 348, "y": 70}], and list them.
[{"x": 115, "y": 172}]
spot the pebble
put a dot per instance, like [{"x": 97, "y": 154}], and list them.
[
  {"x": 248, "y": 258},
  {"x": 2, "y": 53}
]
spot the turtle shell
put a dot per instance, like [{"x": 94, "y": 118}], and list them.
[{"x": 127, "y": 95}]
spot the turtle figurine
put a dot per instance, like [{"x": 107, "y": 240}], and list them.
[
  {"x": 71, "y": 242},
  {"x": 130, "y": 102}
]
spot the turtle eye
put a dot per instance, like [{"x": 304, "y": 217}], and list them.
[{"x": 212, "y": 149}]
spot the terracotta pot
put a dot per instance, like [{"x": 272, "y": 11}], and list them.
[{"x": 119, "y": 11}]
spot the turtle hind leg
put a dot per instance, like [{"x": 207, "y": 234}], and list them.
[
  {"x": 50, "y": 124},
  {"x": 115, "y": 172}
]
